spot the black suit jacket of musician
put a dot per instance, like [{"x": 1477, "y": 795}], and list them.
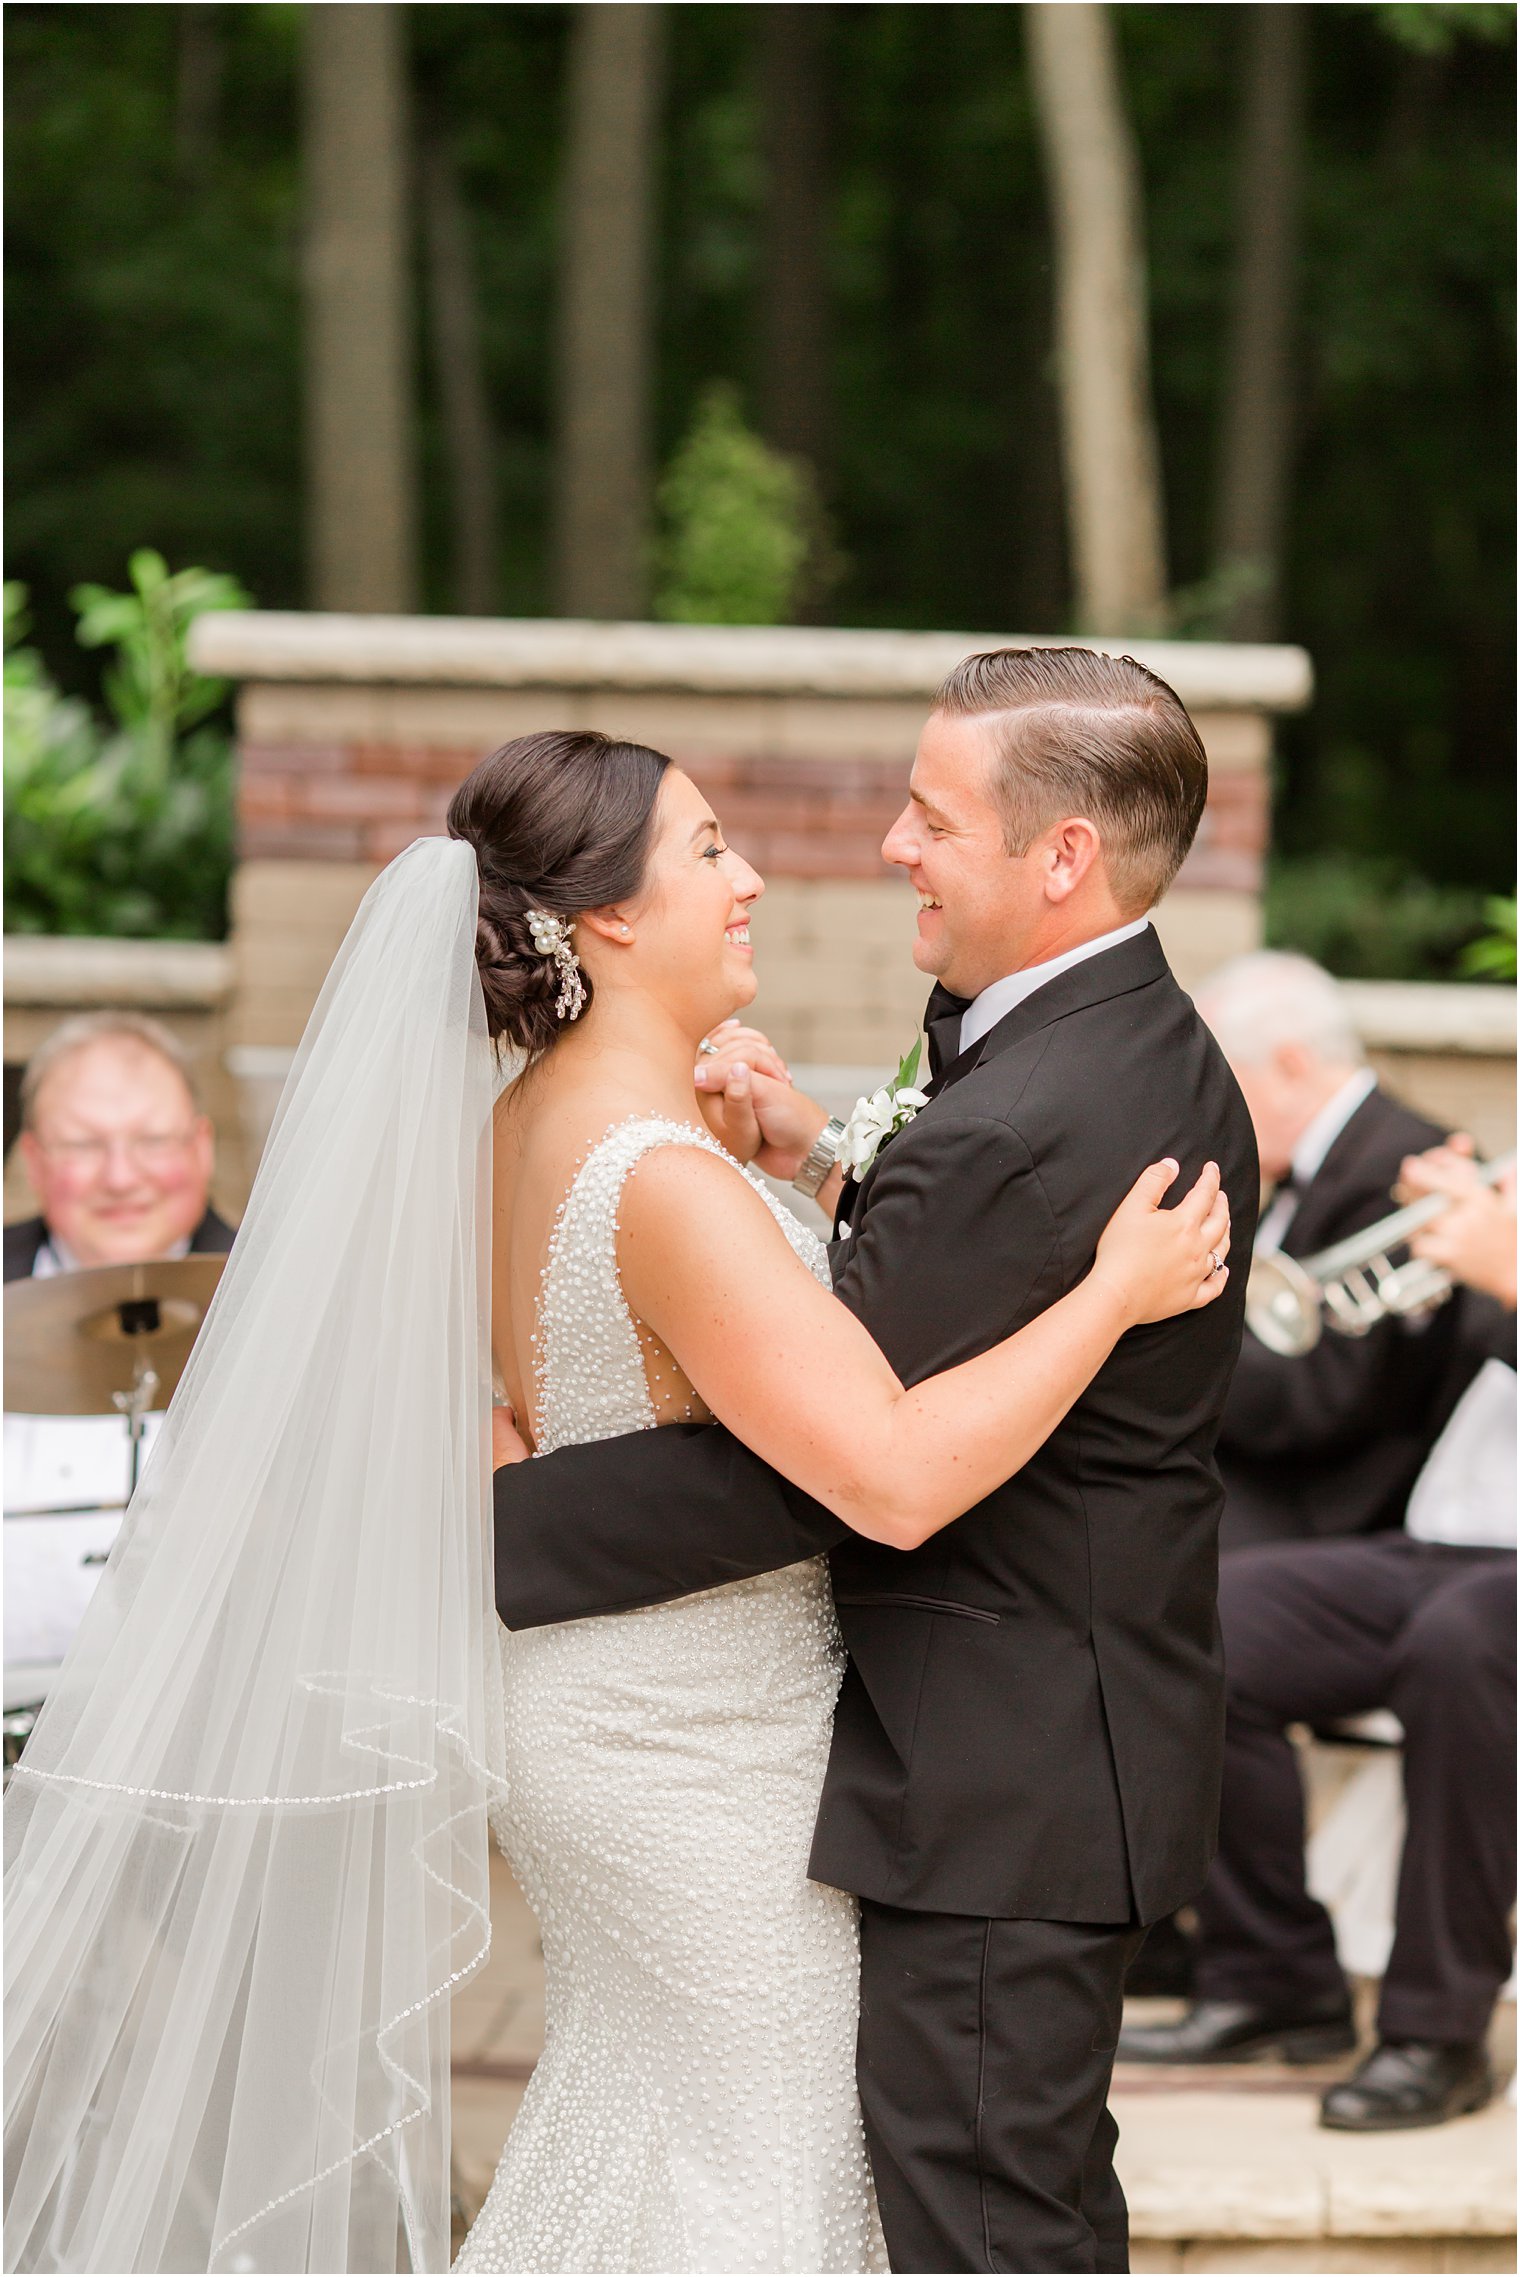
[
  {"x": 1030, "y": 1723},
  {"x": 1331, "y": 1442},
  {"x": 213, "y": 1237}
]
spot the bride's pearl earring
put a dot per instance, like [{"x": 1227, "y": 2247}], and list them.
[{"x": 622, "y": 928}]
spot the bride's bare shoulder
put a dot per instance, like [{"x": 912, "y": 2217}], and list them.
[
  {"x": 694, "y": 1187},
  {"x": 702, "y": 1253}
]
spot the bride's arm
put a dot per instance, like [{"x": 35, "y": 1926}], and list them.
[{"x": 796, "y": 1376}]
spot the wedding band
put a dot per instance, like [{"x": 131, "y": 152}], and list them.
[
  {"x": 1216, "y": 1262},
  {"x": 710, "y": 1049}
]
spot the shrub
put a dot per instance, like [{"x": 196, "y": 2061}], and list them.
[
  {"x": 1367, "y": 919},
  {"x": 742, "y": 534},
  {"x": 1493, "y": 957},
  {"x": 125, "y": 827}
]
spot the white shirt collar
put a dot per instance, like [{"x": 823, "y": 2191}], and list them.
[
  {"x": 55, "y": 1256},
  {"x": 1318, "y": 1136},
  {"x": 997, "y": 1001}
]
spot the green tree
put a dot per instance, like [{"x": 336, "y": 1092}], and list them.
[
  {"x": 155, "y": 336},
  {"x": 738, "y": 522}
]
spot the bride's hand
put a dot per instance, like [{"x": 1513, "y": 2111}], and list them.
[
  {"x": 507, "y": 1442},
  {"x": 1160, "y": 1262},
  {"x": 734, "y": 1063}
]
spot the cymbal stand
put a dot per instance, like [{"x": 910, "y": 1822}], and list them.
[{"x": 136, "y": 1404}]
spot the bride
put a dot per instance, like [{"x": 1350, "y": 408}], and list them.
[{"x": 246, "y": 1847}]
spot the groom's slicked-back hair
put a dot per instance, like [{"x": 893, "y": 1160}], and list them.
[{"x": 1077, "y": 732}]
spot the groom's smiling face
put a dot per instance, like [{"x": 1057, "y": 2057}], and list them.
[{"x": 983, "y": 911}]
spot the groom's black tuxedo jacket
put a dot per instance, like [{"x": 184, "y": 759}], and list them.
[{"x": 1031, "y": 1719}]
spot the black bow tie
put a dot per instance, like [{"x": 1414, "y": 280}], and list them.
[{"x": 942, "y": 1026}]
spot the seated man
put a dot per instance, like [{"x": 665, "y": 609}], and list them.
[
  {"x": 120, "y": 1158},
  {"x": 1421, "y": 1621},
  {"x": 1329, "y": 1443}
]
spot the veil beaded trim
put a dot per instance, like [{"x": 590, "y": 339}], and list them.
[{"x": 246, "y": 1850}]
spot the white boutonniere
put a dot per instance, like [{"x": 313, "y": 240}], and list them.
[{"x": 885, "y": 1111}]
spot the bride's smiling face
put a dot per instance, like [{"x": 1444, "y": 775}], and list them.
[{"x": 688, "y": 927}]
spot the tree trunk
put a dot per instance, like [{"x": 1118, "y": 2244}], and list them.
[
  {"x": 605, "y": 353},
  {"x": 1041, "y": 580},
  {"x": 460, "y": 368},
  {"x": 794, "y": 290},
  {"x": 360, "y": 439},
  {"x": 1112, "y": 462},
  {"x": 1256, "y": 441},
  {"x": 199, "y": 89}
]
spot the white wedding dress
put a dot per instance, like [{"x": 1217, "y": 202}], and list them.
[{"x": 695, "y": 2107}]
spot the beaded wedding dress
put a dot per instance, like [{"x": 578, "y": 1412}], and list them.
[{"x": 695, "y": 2107}]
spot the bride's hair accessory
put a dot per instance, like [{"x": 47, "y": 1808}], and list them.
[
  {"x": 551, "y": 938},
  {"x": 556, "y": 822}
]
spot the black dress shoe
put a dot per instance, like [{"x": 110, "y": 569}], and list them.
[
  {"x": 1410, "y": 2083},
  {"x": 1236, "y": 2031}
]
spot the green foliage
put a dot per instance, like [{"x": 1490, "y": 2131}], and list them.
[
  {"x": 154, "y": 351},
  {"x": 1204, "y": 611},
  {"x": 1493, "y": 957},
  {"x": 152, "y": 689},
  {"x": 1372, "y": 920},
  {"x": 738, "y": 524},
  {"x": 1432, "y": 27},
  {"x": 123, "y": 829}
]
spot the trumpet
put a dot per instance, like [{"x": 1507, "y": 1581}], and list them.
[{"x": 1354, "y": 1283}]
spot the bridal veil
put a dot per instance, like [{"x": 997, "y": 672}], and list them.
[{"x": 247, "y": 1847}]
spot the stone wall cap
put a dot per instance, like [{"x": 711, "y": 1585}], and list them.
[
  {"x": 284, "y": 645},
  {"x": 68, "y": 971},
  {"x": 1434, "y": 1016}
]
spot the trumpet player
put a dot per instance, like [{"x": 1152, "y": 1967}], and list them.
[
  {"x": 1474, "y": 1239},
  {"x": 1330, "y": 1442},
  {"x": 1420, "y": 1620}
]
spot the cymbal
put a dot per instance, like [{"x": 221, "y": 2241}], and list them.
[{"x": 71, "y": 1340}]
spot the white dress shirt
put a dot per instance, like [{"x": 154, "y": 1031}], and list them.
[
  {"x": 997, "y": 1001},
  {"x": 1314, "y": 1143},
  {"x": 1465, "y": 1495}
]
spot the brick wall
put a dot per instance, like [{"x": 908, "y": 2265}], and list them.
[
  {"x": 820, "y": 816},
  {"x": 354, "y": 733},
  {"x": 319, "y": 815}
]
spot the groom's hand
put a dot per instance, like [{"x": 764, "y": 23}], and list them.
[
  {"x": 727, "y": 1059},
  {"x": 749, "y": 1103}
]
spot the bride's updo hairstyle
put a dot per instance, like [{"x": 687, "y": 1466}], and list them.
[{"x": 560, "y": 822}]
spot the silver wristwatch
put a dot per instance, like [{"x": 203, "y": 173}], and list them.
[{"x": 820, "y": 1158}]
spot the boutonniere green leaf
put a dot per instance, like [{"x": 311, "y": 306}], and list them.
[{"x": 885, "y": 1111}]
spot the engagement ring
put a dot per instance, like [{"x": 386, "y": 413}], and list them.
[{"x": 710, "y": 1049}]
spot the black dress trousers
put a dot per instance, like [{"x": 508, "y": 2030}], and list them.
[
  {"x": 986, "y": 2050},
  {"x": 1315, "y": 1630}
]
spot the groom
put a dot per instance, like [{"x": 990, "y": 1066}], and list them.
[{"x": 1026, "y": 1754}]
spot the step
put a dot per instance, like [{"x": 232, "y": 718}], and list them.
[{"x": 1224, "y": 2168}]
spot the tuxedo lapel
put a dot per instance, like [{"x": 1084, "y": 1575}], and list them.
[
  {"x": 1130, "y": 964},
  {"x": 960, "y": 1065},
  {"x": 942, "y": 1029},
  {"x": 1113, "y": 972},
  {"x": 1323, "y": 1200}
]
